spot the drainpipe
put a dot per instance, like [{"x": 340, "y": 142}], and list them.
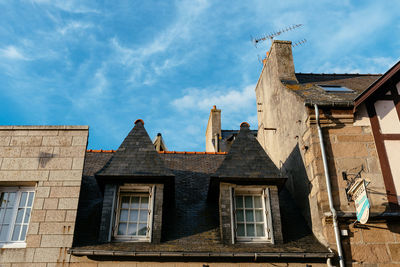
[{"x": 328, "y": 187}]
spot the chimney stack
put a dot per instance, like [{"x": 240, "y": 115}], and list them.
[
  {"x": 213, "y": 131},
  {"x": 280, "y": 60}
]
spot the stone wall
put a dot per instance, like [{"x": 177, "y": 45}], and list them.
[{"x": 50, "y": 158}]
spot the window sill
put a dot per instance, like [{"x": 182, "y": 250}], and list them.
[{"x": 13, "y": 245}]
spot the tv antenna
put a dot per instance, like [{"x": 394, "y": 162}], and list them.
[
  {"x": 298, "y": 43},
  {"x": 272, "y": 35}
]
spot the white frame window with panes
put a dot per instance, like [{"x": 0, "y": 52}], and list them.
[
  {"x": 15, "y": 211},
  {"x": 251, "y": 215},
  {"x": 134, "y": 213}
]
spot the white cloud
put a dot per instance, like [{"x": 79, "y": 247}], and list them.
[
  {"x": 74, "y": 26},
  {"x": 72, "y": 6},
  {"x": 11, "y": 52},
  {"x": 230, "y": 100}
]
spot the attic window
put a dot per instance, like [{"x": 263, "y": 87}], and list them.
[{"x": 335, "y": 89}]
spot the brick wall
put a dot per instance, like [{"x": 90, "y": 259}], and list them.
[{"x": 50, "y": 158}]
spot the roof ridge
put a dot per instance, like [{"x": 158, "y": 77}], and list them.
[{"x": 164, "y": 152}]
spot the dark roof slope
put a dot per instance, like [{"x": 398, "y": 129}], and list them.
[
  {"x": 247, "y": 159},
  {"x": 136, "y": 157},
  {"x": 307, "y": 87},
  {"x": 191, "y": 225}
]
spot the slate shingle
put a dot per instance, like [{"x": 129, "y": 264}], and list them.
[{"x": 136, "y": 157}]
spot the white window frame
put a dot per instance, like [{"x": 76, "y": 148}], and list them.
[
  {"x": 266, "y": 206},
  {"x": 9, "y": 243},
  {"x": 134, "y": 190}
]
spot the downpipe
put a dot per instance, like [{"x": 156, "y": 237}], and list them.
[{"x": 329, "y": 191}]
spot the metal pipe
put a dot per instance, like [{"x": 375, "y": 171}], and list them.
[{"x": 329, "y": 190}]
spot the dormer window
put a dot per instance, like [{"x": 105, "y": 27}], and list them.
[
  {"x": 252, "y": 215},
  {"x": 134, "y": 213}
]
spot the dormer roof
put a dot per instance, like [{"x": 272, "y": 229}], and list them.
[
  {"x": 136, "y": 157},
  {"x": 248, "y": 162}
]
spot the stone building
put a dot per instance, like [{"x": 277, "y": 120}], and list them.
[
  {"x": 360, "y": 141},
  {"x": 141, "y": 207}
]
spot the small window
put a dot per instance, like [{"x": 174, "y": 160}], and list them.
[
  {"x": 134, "y": 214},
  {"x": 252, "y": 215},
  {"x": 335, "y": 89},
  {"x": 15, "y": 212}
]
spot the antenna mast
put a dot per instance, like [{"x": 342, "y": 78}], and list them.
[{"x": 274, "y": 34}]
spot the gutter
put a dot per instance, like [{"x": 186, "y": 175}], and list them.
[
  {"x": 328, "y": 187},
  {"x": 300, "y": 255}
]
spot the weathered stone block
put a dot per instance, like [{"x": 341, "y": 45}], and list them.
[
  {"x": 68, "y": 151},
  {"x": 33, "y": 241},
  {"x": 38, "y": 203},
  {"x": 26, "y": 141},
  {"x": 376, "y": 253},
  {"x": 5, "y": 140},
  {"x": 37, "y": 152},
  {"x": 65, "y": 175},
  {"x": 355, "y": 138},
  {"x": 48, "y": 255},
  {"x": 56, "y": 241},
  {"x": 10, "y": 152},
  {"x": 349, "y": 150},
  {"x": 43, "y": 132},
  {"x": 55, "y": 163},
  {"x": 77, "y": 163},
  {"x": 56, "y": 228},
  {"x": 377, "y": 235},
  {"x": 33, "y": 228},
  {"x": 55, "y": 215},
  {"x": 70, "y": 216},
  {"x": 71, "y": 191},
  {"x": 79, "y": 141},
  {"x": 50, "y": 203},
  {"x": 17, "y": 176},
  {"x": 38, "y": 215},
  {"x": 57, "y": 141},
  {"x": 42, "y": 191},
  {"x": 20, "y": 164},
  {"x": 68, "y": 203},
  {"x": 395, "y": 251},
  {"x": 11, "y": 255}
]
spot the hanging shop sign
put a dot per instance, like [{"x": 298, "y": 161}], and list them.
[{"x": 359, "y": 195}]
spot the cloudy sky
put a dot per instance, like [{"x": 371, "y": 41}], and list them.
[{"x": 107, "y": 63}]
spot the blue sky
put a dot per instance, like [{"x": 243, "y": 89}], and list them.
[{"x": 107, "y": 63}]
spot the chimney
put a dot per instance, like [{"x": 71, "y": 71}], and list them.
[
  {"x": 213, "y": 131},
  {"x": 280, "y": 60}
]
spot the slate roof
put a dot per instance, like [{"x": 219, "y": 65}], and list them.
[
  {"x": 227, "y": 138},
  {"x": 247, "y": 160},
  {"x": 136, "y": 157},
  {"x": 191, "y": 226},
  {"x": 312, "y": 94}
]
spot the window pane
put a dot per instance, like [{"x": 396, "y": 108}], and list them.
[
  {"x": 134, "y": 203},
  {"x": 11, "y": 199},
  {"x": 23, "y": 233},
  {"x": 249, "y": 216},
  {"x": 132, "y": 229},
  {"x": 17, "y": 229},
  {"x": 144, "y": 202},
  {"x": 30, "y": 199},
  {"x": 240, "y": 229},
  {"x": 4, "y": 232},
  {"x": 133, "y": 216},
  {"x": 123, "y": 217},
  {"x": 250, "y": 229},
  {"x": 257, "y": 202},
  {"x": 143, "y": 215},
  {"x": 260, "y": 229},
  {"x": 22, "y": 201},
  {"x": 239, "y": 215},
  {"x": 248, "y": 201},
  {"x": 2, "y": 211},
  {"x": 20, "y": 215},
  {"x": 3, "y": 199},
  {"x": 239, "y": 202},
  {"x": 142, "y": 229},
  {"x": 27, "y": 215},
  {"x": 122, "y": 229},
  {"x": 259, "y": 216},
  {"x": 125, "y": 202},
  {"x": 7, "y": 218}
]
